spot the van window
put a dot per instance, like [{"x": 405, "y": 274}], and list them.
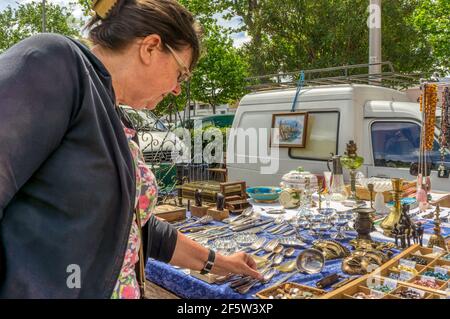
[
  {"x": 396, "y": 144},
  {"x": 322, "y": 137}
]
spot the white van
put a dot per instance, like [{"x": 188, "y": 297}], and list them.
[{"x": 385, "y": 124}]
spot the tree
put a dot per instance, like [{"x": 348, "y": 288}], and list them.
[
  {"x": 432, "y": 20},
  {"x": 301, "y": 34},
  {"x": 26, "y": 20},
  {"x": 220, "y": 75}
]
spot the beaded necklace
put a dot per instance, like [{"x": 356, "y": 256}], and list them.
[
  {"x": 428, "y": 104},
  {"x": 445, "y": 132},
  {"x": 445, "y": 115}
]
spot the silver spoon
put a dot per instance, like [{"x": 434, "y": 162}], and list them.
[
  {"x": 204, "y": 220},
  {"x": 268, "y": 247},
  {"x": 276, "y": 250},
  {"x": 246, "y": 213},
  {"x": 267, "y": 277},
  {"x": 288, "y": 252},
  {"x": 256, "y": 245}
]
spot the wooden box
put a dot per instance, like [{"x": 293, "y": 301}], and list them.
[
  {"x": 361, "y": 284},
  {"x": 274, "y": 290},
  {"x": 199, "y": 211},
  {"x": 170, "y": 213},
  {"x": 363, "y": 193},
  {"x": 218, "y": 215},
  {"x": 209, "y": 190}
]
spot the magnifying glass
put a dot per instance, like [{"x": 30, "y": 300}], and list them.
[{"x": 309, "y": 261}]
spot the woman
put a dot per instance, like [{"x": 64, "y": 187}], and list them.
[{"x": 69, "y": 184}]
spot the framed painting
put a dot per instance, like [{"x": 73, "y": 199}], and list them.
[{"x": 289, "y": 129}]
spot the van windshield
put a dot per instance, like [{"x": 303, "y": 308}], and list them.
[{"x": 396, "y": 144}]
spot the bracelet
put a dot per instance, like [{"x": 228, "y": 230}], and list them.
[{"x": 209, "y": 263}]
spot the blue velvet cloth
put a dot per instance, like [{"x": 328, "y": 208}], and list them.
[
  {"x": 186, "y": 286},
  {"x": 428, "y": 226}
]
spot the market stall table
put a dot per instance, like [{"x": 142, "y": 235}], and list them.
[{"x": 182, "y": 284}]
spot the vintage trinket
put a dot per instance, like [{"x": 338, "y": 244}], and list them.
[
  {"x": 393, "y": 218},
  {"x": 331, "y": 249},
  {"x": 352, "y": 162},
  {"x": 219, "y": 212},
  {"x": 328, "y": 281},
  {"x": 361, "y": 295},
  {"x": 364, "y": 223},
  {"x": 437, "y": 239},
  {"x": 290, "y": 198},
  {"x": 408, "y": 293},
  {"x": 437, "y": 275},
  {"x": 427, "y": 283}
]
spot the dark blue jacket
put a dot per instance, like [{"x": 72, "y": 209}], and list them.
[{"x": 67, "y": 183}]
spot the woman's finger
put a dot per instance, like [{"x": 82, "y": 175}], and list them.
[
  {"x": 252, "y": 273},
  {"x": 251, "y": 262}
]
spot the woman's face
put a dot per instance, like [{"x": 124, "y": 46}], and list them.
[{"x": 153, "y": 72}]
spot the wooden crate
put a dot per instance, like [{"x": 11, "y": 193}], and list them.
[
  {"x": 409, "y": 187},
  {"x": 209, "y": 190},
  {"x": 266, "y": 293},
  {"x": 360, "y": 284},
  {"x": 170, "y": 213}
]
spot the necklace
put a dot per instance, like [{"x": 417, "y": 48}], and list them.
[
  {"x": 430, "y": 97},
  {"x": 445, "y": 132},
  {"x": 445, "y": 120}
]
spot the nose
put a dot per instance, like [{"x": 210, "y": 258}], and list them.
[{"x": 177, "y": 90}]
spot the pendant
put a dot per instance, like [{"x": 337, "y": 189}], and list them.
[{"x": 443, "y": 171}]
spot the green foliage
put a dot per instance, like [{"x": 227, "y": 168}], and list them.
[
  {"x": 87, "y": 6},
  {"x": 301, "y": 34},
  {"x": 220, "y": 75},
  {"x": 26, "y": 20},
  {"x": 172, "y": 104},
  {"x": 432, "y": 20}
]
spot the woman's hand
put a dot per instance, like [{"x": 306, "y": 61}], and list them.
[
  {"x": 239, "y": 263},
  {"x": 192, "y": 255}
]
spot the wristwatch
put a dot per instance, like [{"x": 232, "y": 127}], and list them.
[{"x": 209, "y": 263}]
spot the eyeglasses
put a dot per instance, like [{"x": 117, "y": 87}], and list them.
[{"x": 185, "y": 75}]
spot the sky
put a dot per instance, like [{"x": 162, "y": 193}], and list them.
[{"x": 238, "y": 38}]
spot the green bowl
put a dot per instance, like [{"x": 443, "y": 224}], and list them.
[{"x": 261, "y": 193}]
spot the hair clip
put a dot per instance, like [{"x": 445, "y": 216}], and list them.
[{"x": 103, "y": 7}]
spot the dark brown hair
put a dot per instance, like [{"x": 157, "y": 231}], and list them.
[{"x": 130, "y": 19}]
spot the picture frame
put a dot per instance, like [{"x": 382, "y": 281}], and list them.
[{"x": 292, "y": 129}]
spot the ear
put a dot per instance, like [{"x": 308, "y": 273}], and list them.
[{"x": 148, "y": 47}]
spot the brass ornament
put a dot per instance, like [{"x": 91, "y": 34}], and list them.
[
  {"x": 364, "y": 223},
  {"x": 437, "y": 239},
  {"x": 331, "y": 249},
  {"x": 367, "y": 256},
  {"x": 362, "y": 262},
  {"x": 393, "y": 218},
  {"x": 361, "y": 244}
]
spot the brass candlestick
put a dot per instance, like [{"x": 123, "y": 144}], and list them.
[
  {"x": 436, "y": 239},
  {"x": 394, "y": 216}
]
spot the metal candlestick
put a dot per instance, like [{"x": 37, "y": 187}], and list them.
[
  {"x": 437, "y": 239},
  {"x": 394, "y": 216}
]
